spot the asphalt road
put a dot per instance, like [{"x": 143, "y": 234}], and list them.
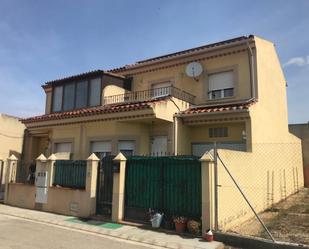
[{"x": 16, "y": 233}]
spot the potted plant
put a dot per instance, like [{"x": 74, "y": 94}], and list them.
[
  {"x": 180, "y": 223},
  {"x": 194, "y": 227}
]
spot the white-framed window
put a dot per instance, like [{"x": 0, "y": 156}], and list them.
[
  {"x": 101, "y": 148},
  {"x": 161, "y": 89},
  {"x": 221, "y": 85},
  {"x": 126, "y": 147}
]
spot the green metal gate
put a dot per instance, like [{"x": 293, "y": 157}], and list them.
[
  {"x": 105, "y": 186},
  {"x": 168, "y": 184}
]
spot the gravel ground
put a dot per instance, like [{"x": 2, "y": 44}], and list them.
[{"x": 287, "y": 221}]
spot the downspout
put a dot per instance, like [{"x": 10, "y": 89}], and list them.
[
  {"x": 175, "y": 135},
  {"x": 175, "y": 130},
  {"x": 251, "y": 70},
  {"x": 253, "y": 94}
]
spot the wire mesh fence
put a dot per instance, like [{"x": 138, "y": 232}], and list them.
[{"x": 271, "y": 178}]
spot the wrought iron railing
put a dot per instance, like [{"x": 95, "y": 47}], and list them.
[{"x": 150, "y": 94}]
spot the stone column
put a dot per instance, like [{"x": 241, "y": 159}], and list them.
[
  {"x": 40, "y": 164},
  {"x": 91, "y": 181},
  {"x": 51, "y": 169},
  {"x": 10, "y": 174},
  {"x": 208, "y": 192},
  {"x": 11, "y": 169},
  {"x": 119, "y": 188}
]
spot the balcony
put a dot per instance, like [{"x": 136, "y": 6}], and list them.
[{"x": 150, "y": 94}]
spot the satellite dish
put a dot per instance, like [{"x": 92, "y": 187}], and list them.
[{"x": 194, "y": 69}]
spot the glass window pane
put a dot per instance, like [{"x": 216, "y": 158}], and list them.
[
  {"x": 69, "y": 93},
  {"x": 57, "y": 98},
  {"x": 127, "y": 152},
  {"x": 211, "y": 132},
  {"x": 81, "y": 94},
  {"x": 228, "y": 92},
  {"x": 95, "y": 92},
  {"x": 215, "y": 94},
  {"x": 126, "y": 147}
]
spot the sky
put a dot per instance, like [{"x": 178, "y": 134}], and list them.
[{"x": 46, "y": 40}]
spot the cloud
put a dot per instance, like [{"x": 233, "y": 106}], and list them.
[{"x": 297, "y": 61}]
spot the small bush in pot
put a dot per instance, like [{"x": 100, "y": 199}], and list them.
[
  {"x": 180, "y": 223},
  {"x": 194, "y": 227}
]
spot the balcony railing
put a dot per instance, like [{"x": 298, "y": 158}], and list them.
[{"x": 149, "y": 95}]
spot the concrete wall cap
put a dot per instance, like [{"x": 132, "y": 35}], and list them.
[
  {"x": 13, "y": 158},
  {"x": 52, "y": 157},
  {"x": 208, "y": 156},
  {"x": 93, "y": 157},
  {"x": 120, "y": 157},
  {"x": 41, "y": 158}
]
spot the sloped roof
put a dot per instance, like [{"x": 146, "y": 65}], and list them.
[
  {"x": 106, "y": 109},
  {"x": 82, "y": 76},
  {"x": 187, "y": 51},
  {"x": 218, "y": 108}
]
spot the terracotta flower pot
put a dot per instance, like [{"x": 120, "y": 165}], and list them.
[{"x": 180, "y": 227}]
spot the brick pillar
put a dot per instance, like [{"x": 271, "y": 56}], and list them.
[
  {"x": 10, "y": 174},
  {"x": 208, "y": 192},
  {"x": 41, "y": 162},
  {"x": 119, "y": 188},
  {"x": 91, "y": 181},
  {"x": 51, "y": 169}
]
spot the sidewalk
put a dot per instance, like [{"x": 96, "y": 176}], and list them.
[{"x": 127, "y": 232}]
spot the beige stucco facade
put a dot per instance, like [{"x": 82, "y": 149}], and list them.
[
  {"x": 11, "y": 136},
  {"x": 254, "y": 116},
  {"x": 11, "y": 141}
]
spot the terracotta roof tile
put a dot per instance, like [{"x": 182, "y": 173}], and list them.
[
  {"x": 218, "y": 108},
  {"x": 112, "y": 108}
]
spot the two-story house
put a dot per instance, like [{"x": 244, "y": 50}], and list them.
[{"x": 154, "y": 107}]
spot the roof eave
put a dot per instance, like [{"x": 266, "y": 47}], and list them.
[
  {"x": 184, "y": 115},
  {"x": 186, "y": 53}
]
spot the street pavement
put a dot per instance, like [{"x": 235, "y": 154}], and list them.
[
  {"x": 18, "y": 233},
  {"x": 32, "y": 226}
]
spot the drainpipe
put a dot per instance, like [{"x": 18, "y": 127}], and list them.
[
  {"x": 175, "y": 118},
  {"x": 252, "y": 72}
]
